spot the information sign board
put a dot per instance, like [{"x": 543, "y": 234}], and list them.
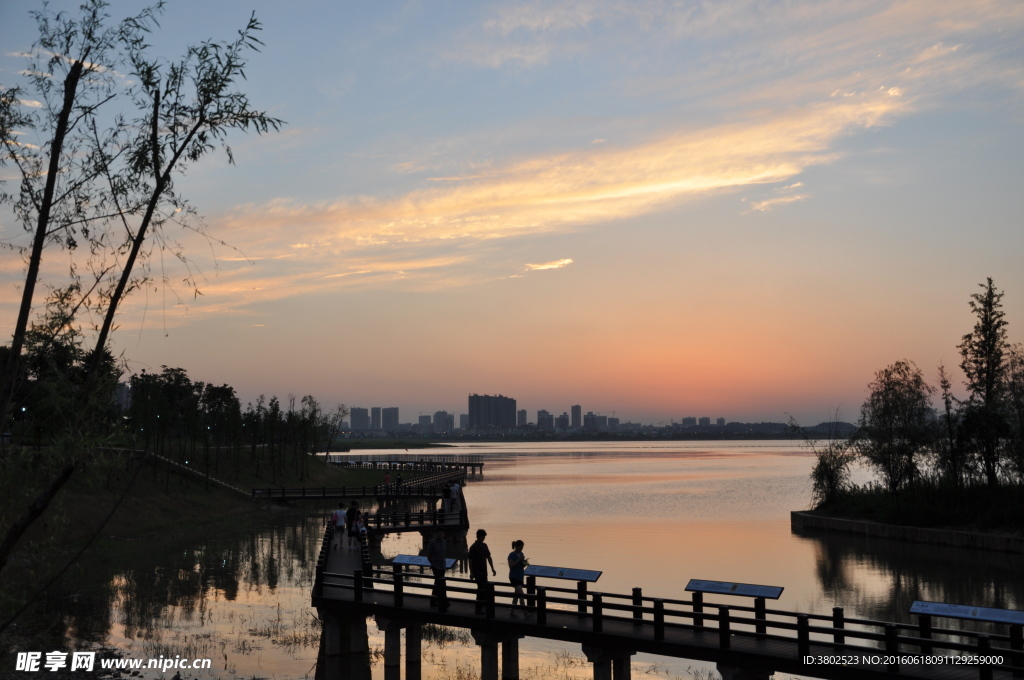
[
  {"x": 564, "y": 573},
  {"x": 961, "y": 611},
  {"x": 728, "y": 588},
  {"x": 420, "y": 561}
]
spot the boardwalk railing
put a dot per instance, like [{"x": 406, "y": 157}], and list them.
[
  {"x": 408, "y": 458},
  {"x": 412, "y": 488},
  {"x": 882, "y": 644},
  {"x": 415, "y": 521}
]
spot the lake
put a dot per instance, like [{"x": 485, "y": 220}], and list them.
[{"x": 647, "y": 514}]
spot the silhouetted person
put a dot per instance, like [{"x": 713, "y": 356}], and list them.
[
  {"x": 436, "y": 551},
  {"x": 479, "y": 558}
]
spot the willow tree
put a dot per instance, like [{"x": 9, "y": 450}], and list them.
[{"x": 98, "y": 157}]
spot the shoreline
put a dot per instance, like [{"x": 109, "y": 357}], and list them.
[{"x": 803, "y": 520}]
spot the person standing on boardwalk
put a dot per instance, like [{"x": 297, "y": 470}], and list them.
[
  {"x": 517, "y": 564},
  {"x": 437, "y": 550},
  {"x": 479, "y": 558},
  {"x": 352, "y": 515},
  {"x": 454, "y": 491},
  {"x": 339, "y": 524}
]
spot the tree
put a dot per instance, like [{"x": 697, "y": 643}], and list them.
[
  {"x": 952, "y": 462},
  {"x": 1015, "y": 409},
  {"x": 109, "y": 148},
  {"x": 833, "y": 455},
  {"x": 894, "y": 423},
  {"x": 983, "y": 360}
]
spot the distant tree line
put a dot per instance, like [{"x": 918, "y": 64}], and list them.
[
  {"x": 203, "y": 424},
  {"x": 911, "y": 441}
]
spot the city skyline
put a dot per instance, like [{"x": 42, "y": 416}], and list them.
[{"x": 673, "y": 208}]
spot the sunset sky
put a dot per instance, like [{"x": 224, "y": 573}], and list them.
[{"x": 654, "y": 209}]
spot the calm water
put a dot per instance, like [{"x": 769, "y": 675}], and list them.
[{"x": 651, "y": 515}]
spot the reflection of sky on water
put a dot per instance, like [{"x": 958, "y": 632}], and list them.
[{"x": 647, "y": 515}]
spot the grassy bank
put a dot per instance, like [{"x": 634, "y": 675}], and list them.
[
  {"x": 157, "y": 506},
  {"x": 974, "y": 508}
]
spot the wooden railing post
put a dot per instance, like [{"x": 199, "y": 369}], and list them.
[
  {"x": 924, "y": 631},
  {"x": 399, "y": 587},
  {"x": 581, "y": 595},
  {"x": 659, "y": 619},
  {"x": 598, "y": 612},
  {"x": 542, "y": 605},
  {"x": 357, "y": 585},
  {"x": 892, "y": 647},
  {"x": 489, "y": 604},
  {"x": 984, "y": 649},
  {"x": 698, "y": 608},
  {"x": 803, "y": 635},
  {"x": 839, "y": 623},
  {"x": 531, "y": 592},
  {"x": 638, "y": 603},
  {"x": 1017, "y": 645},
  {"x": 724, "y": 629},
  {"x": 759, "y": 613}
]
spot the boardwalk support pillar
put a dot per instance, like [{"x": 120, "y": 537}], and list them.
[
  {"x": 392, "y": 630},
  {"x": 606, "y": 660},
  {"x": 510, "y": 658},
  {"x": 488, "y": 653},
  {"x": 345, "y": 646},
  {"x": 413, "y": 651}
]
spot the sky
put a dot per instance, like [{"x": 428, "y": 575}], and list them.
[{"x": 653, "y": 209}]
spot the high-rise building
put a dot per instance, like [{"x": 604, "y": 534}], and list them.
[
  {"x": 721, "y": 422},
  {"x": 360, "y": 419},
  {"x": 704, "y": 422},
  {"x": 521, "y": 418},
  {"x": 443, "y": 422},
  {"x": 463, "y": 421},
  {"x": 491, "y": 411},
  {"x": 562, "y": 422},
  {"x": 375, "y": 418},
  {"x": 577, "y": 416},
  {"x": 545, "y": 421},
  {"x": 389, "y": 419},
  {"x": 425, "y": 425},
  {"x": 689, "y": 422}
]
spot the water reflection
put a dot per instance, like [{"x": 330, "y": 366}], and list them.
[
  {"x": 647, "y": 515},
  {"x": 881, "y": 578}
]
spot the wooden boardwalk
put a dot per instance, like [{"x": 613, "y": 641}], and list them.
[{"x": 732, "y": 636}]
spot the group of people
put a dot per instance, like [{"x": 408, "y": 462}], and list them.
[
  {"x": 387, "y": 483},
  {"x": 479, "y": 561},
  {"x": 350, "y": 522}
]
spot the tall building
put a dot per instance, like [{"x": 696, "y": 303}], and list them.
[
  {"x": 545, "y": 421},
  {"x": 360, "y": 419},
  {"x": 521, "y": 418},
  {"x": 443, "y": 422},
  {"x": 463, "y": 421},
  {"x": 425, "y": 425},
  {"x": 704, "y": 422},
  {"x": 562, "y": 422},
  {"x": 689, "y": 422},
  {"x": 721, "y": 422},
  {"x": 491, "y": 411},
  {"x": 389, "y": 419},
  {"x": 577, "y": 416},
  {"x": 375, "y": 418}
]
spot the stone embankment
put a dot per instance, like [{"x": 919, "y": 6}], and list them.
[{"x": 964, "y": 539}]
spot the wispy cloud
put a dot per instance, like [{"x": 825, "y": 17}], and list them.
[
  {"x": 769, "y": 203},
  {"x": 557, "y": 264}
]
